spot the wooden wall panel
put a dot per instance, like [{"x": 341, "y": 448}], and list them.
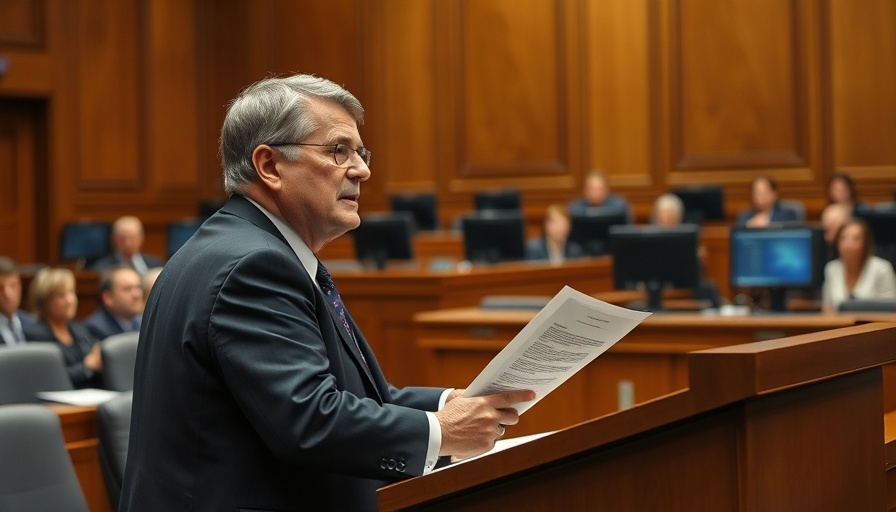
[
  {"x": 738, "y": 85},
  {"x": 19, "y": 134},
  {"x": 862, "y": 89},
  {"x": 172, "y": 99},
  {"x": 617, "y": 59},
  {"x": 22, "y": 23},
  {"x": 109, "y": 95},
  {"x": 508, "y": 82},
  {"x": 408, "y": 150}
]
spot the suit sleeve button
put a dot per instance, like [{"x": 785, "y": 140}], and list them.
[{"x": 392, "y": 463}]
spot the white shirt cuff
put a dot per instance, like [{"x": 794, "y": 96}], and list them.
[{"x": 435, "y": 435}]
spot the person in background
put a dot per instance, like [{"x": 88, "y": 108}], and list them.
[
  {"x": 842, "y": 190},
  {"x": 765, "y": 210},
  {"x": 127, "y": 242},
  {"x": 596, "y": 194},
  {"x": 856, "y": 273},
  {"x": 121, "y": 303},
  {"x": 254, "y": 389},
  {"x": 149, "y": 280},
  {"x": 668, "y": 211},
  {"x": 833, "y": 217},
  {"x": 55, "y": 304},
  {"x": 13, "y": 321},
  {"x": 552, "y": 246}
]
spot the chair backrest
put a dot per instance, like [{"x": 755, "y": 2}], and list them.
[
  {"x": 36, "y": 472},
  {"x": 868, "y": 305},
  {"x": 119, "y": 353},
  {"x": 27, "y": 368},
  {"x": 113, "y": 430}
]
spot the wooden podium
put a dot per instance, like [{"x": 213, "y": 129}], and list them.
[{"x": 792, "y": 424}]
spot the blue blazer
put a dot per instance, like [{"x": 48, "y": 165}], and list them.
[
  {"x": 102, "y": 324},
  {"x": 779, "y": 214},
  {"x": 248, "y": 396}
]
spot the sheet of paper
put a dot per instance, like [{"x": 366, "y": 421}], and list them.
[
  {"x": 87, "y": 396},
  {"x": 501, "y": 444},
  {"x": 570, "y": 332}
]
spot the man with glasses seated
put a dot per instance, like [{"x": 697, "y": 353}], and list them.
[{"x": 254, "y": 388}]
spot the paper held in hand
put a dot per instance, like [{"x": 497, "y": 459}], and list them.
[{"x": 570, "y": 332}]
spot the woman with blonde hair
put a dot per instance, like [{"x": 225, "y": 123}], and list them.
[{"x": 55, "y": 304}]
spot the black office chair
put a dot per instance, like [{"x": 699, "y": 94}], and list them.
[
  {"x": 113, "y": 430},
  {"x": 28, "y": 368},
  {"x": 36, "y": 472},
  {"x": 119, "y": 353},
  {"x": 868, "y": 305}
]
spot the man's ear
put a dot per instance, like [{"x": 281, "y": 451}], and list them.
[{"x": 266, "y": 161}]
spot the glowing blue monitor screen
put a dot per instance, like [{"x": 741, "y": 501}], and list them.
[{"x": 772, "y": 257}]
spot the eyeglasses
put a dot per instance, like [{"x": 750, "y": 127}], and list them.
[{"x": 341, "y": 152}]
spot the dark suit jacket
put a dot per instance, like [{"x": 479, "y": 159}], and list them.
[
  {"x": 114, "y": 259},
  {"x": 779, "y": 214},
  {"x": 246, "y": 394},
  {"x": 102, "y": 324},
  {"x": 28, "y": 322},
  {"x": 537, "y": 250},
  {"x": 74, "y": 354}
]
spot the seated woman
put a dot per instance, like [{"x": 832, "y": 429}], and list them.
[
  {"x": 766, "y": 209},
  {"x": 55, "y": 304},
  {"x": 842, "y": 190},
  {"x": 552, "y": 245},
  {"x": 856, "y": 273},
  {"x": 668, "y": 211}
]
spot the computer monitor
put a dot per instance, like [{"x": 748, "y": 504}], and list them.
[
  {"x": 590, "y": 232},
  {"x": 494, "y": 236},
  {"x": 777, "y": 259},
  {"x": 702, "y": 202},
  {"x": 84, "y": 242},
  {"x": 882, "y": 224},
  {"x": 497, "y": 200},
  {"x": 655, "y": 258},
  {"x": 384, "y": 237},
  {"x": 423, "y": 207},
  {"x": 178, "y": 234}
]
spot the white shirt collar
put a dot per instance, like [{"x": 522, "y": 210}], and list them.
[{"x": 308, "y": 259}]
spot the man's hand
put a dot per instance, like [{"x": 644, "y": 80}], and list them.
[{"x": 471, "y": 426}]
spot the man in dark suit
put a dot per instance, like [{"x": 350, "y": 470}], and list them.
[
  {"x": 254, "y": 389},
  {"x": 127, "y": 242},
  {"x": 121, "y": 303},
  {"x": 13, "y": 321}
]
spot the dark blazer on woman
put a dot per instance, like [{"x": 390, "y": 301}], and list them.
[
  {"x": 248, "y": 396},
  {"x": 83, "y": 341}
]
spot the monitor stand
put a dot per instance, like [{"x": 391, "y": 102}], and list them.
[
  {"x": 777, "y": 297},
  {"x": 654, "y": 296}
]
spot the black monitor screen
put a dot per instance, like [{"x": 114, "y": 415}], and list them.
[
  {"x": 84, "y": 242},
  {"x": 777, "y": 259},
  {"x": 655, "y": 258},
  {"x": 494, "y": 237},
  {"x": 589, "y": 233},
  {"x": 705, "y": 202},
  {"x": 179, "y": 233},
  {"x": 423, "y": 207},
  {"x": 380, "y": 238},
  {"x": 882, "y": 224},
  {"x": 498, "y": 200}
]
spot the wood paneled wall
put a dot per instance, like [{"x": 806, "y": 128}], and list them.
[{"x": 113, "y": 106}]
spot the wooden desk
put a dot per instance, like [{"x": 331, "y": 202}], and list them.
[
  {"x": 648, "y": 363},
  {"x": 79, "y": 431},
  {"x": 384, "y": 303}
]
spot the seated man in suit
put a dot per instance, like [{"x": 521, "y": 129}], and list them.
[
  {"x": 596, "y": 194},
  {"x": 254, "y": 389},
  {"x": 121, "y": 303},
  {"x": 127, "y": 241},
  {"x": 765, "y": 210},
  {"x": 13, "y": 321}
]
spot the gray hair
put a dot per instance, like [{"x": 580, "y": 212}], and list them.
[
  {"x": 672, "y": 202},
  {"x": 274, "y": 110}
]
